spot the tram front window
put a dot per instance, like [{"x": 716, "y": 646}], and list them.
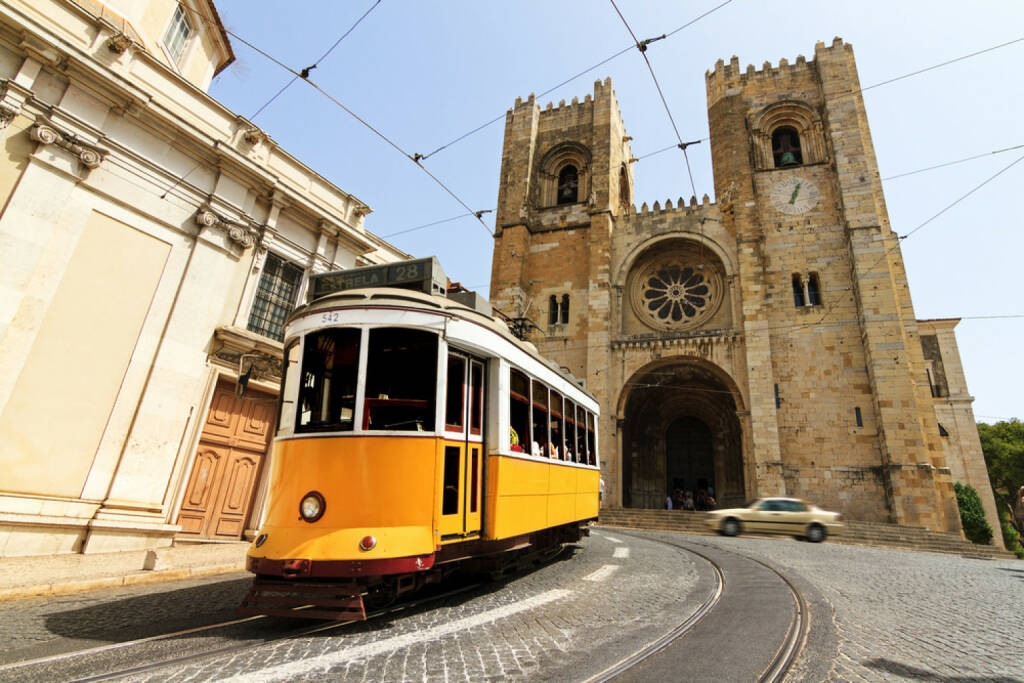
[
  {"x": 401, "y": 380},
  {"x": 327, "y": 388}
]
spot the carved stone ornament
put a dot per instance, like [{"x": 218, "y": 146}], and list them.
[
  {"x": 46, "y": 134},
  {"x": 7, "y": 115},
  {"x": 119, "y": 43},
  {"x": 240, "y": 234},
  {"x": 254, "y": 136}
]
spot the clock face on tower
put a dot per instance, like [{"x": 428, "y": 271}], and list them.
[{"x": 795, "y": 195}]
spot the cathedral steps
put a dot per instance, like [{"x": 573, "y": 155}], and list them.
[{"x": 853, "y": 532}]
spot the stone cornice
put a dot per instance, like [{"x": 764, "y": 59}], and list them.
[{"x": 115, "y": 85}]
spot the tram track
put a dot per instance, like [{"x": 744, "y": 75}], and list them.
[
  {"x": 216, "y": 651},
  {"x": 787, "y": 652},
  {"x": 728, "y": 584}
]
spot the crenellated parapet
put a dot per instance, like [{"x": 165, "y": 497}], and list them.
[
  {"x": 694, "y": 208},
  {"x": 727, "y": 77}
]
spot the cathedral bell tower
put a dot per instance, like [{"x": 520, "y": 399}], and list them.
[
  {"x": 565, "y": 177},
  {"x": 834, "y": 359}
]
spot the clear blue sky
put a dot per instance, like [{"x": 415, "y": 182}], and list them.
[{"x": 424, "y": 72}]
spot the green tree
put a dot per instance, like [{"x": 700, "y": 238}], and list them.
[
  {"x": 1003, "y": 446},
  {"x": 972, "y": 515}
]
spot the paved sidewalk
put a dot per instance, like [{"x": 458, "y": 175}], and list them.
[{"x": 24, "y": 577}]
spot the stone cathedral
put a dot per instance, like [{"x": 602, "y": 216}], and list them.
[{"x": 763, "y": 344}]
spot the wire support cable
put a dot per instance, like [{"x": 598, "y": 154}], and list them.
[
  {"x": 965, "y": 196},
  {"x": 641, "y": 46},
  {"x": 316, "y": 63}
]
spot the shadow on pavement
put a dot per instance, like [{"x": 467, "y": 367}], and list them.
[
  {"x": 154, "y": 613},
  {"x": 915, "y": 674},
  {"x": 167, "y": 611}
]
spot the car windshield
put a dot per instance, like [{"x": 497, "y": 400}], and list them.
[{"x": 750, "y": 505}]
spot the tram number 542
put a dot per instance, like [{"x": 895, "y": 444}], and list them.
[{"x": 330, "y": 317}]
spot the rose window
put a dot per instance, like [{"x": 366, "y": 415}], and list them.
[{"x": 674, "y": 293}]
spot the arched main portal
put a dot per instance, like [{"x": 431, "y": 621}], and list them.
[{"x": 681, "y": 430}]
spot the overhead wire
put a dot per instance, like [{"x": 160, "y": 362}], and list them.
[
  {"x": 279, "y": 92},
  {"x": 304, "y": 75},
  {"x": 952, "y": 163},
  {"x": 317, "y": 62},
  {"x": 428, "y": 225},
  {"x": 942, "y": 64},
  {"x": 573, "y": 78}
]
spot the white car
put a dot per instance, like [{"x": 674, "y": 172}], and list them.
[{"x": 790, "y": 516}]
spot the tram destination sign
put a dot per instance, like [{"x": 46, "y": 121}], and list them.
[{"x": 420, "y": 275}]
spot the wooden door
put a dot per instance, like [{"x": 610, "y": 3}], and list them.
[{"x": 218, "y": 498}]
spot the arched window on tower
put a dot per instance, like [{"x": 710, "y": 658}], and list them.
[
  {"x": 798, "y": 290},
  {"x": 813, "y": 290},
  {"x": 568, "y": 185},
  {"x": 564, "y": 311},
  {"x": 786, "y": 147},
  {"x": 553, "y": 310}
]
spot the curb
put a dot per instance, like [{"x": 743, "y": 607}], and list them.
[{"x": 133, "y": 579}]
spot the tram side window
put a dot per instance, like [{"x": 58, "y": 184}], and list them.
[
  {"x": 581, "y": 435},
  {"x": 557, "y": 447},
  {"x": 401, "y": 380},
  {"x": 327, "y": 388},
  {"x": 540, "y": 420},
  {"x": 519, "y": 411},
  {"x": 591, "y": 443},
  {"x": 570, "y": 431}
]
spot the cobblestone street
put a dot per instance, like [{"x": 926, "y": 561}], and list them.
[
  {"x": 904, "y": 615},
  {"x": 877, "y": 615}
]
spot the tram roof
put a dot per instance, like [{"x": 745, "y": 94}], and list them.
[{"x": 433, "y": 302}]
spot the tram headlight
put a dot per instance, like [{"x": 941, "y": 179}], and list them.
[{"x": 312, "y": 506}]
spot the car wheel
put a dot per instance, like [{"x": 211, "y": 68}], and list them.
[
  {"x": 815, "y": 533},
  {"x": 730, "y": 527}
]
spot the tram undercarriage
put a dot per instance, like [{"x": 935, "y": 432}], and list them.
[{"x": 345, "y": 590}]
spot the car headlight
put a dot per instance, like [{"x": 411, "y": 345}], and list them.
[{"x": 312, "y": 506}]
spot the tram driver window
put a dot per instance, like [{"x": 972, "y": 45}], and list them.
[
  {"x": 401, "y": 380},
  {"x": 327, "y": 388}
]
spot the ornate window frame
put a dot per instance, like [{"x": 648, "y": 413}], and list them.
[
  {"x": 551, "y": 165},
  {"x": 795, "y": 114},
  {"x": 664, "y": 284}
]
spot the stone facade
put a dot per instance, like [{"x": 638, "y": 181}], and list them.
[
  {"x": 138, "y": 220},
  {"x": 762, "y": 344}
]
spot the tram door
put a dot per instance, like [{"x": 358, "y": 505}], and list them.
[{"x": 462, "y": 478}]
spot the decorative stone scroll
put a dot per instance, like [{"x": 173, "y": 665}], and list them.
[
  {"x": 240, "y": 234},
  {"x": 47, "y": 134}
]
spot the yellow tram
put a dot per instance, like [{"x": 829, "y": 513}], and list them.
[{"x": 416, "y": 433}]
